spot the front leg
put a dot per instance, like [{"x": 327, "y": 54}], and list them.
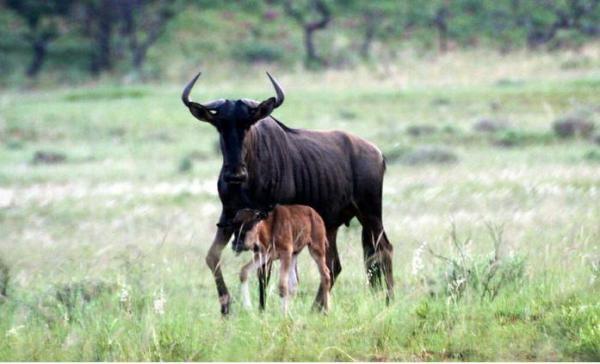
[
  {"x": 248, "y": 268},
  {"x": 213, "y": 260},
  {"x": 293, "y": 276},
  {"x": 286, "y": 262}
]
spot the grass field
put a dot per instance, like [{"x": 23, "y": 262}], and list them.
[{"x": 104, "y": 251}]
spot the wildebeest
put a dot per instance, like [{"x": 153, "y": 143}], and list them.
[
  {"x": 283, "y": 233},
  {"x": 266, "y": 163}
]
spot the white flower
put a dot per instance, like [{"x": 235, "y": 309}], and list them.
[
  {"x": 159, "y": 303},
  {"x": 124, "y": 297},
  {"x": 417, "y": 260},
  {"x": 14, "y": 331}
]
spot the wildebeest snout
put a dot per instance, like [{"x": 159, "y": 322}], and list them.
[
  {"x": 238, "y": 246},
  {"x": 237, "y": 175}
]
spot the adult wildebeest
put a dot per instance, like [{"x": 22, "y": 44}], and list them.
[{"x": 267, "y": 163}]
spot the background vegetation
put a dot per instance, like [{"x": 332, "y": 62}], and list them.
[
  {"x": 486, "y": 111},
  {"x": 75, "y": 41}
]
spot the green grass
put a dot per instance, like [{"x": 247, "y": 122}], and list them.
[{"x": 133, "y": 208}]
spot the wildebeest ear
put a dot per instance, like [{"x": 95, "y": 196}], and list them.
[
  {"x": 201, "y": 112},
  {"x": 263, "y": 109}
]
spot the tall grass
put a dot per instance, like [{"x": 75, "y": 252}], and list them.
[{"x": 104, "y": 251}]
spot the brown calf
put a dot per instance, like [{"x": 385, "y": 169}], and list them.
[{"x": 282, "y": 234}]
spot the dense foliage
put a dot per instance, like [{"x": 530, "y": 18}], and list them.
[{"x": 100, "y": 36}]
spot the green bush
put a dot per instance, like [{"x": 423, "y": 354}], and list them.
[
  {"x": 516, "y": 137},
  {"x": 592, "y": 156},
  {"x": 480, "y": 276},
  {"x": 255, "y": 51},
  {"x": 581, "y": 325}
]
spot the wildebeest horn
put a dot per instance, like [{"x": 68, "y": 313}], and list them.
[
  {"x": 278, "y": 91},
  {"x": 185, "y": 96}
]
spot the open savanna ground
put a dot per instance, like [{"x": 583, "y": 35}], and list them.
[{"x": 108, "y": 204}]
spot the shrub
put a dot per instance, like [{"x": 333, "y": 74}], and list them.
[
  {"x": 396, "y": 153},
  {"x": 579, "y": 122},
  {"x": 185, "y": 165},
  {"x": 483, "y": 276},
  {"x": 592, "y": 156},
  {"x": 486, "y": 125},
  {"x": 580, "y": 324},
  {"x": 425, "y": 155},
  {"x": 421, "y": 155},
  {"x": 421, "y": 130},
  {"x": 516, "y": 137},
  {"x": 567, "y": 38},
  {"x": 570, "y": 126},
  {"x": 4, "y": 279},
  {"x": 48, "y": 157},
  {"x": 254, "y": 51}
]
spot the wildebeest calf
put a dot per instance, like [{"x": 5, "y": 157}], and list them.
[{"x": 281, "y": 234}]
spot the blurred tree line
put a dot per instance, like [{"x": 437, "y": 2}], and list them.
[{"x": 111, "y": 32}]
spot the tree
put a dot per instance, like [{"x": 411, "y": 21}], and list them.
[
  {"x": 312, "y": 16},
  {"x": 43, "y": 20},
  {"x": 375, "y": 16},
  {"x": 139, "y": 22},
  {"x": 98, "y": 19},
  {"x": 143, "y": 23}
]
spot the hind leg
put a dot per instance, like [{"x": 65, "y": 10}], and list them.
[
  {"x": 378, "y": 252},
  {"x": 317, "y": 251},
  {"x": 333, "y": 258}
]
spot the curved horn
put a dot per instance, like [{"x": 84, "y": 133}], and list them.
[
  {"x": 278, "y": 91},
  {"x": 185, "y": 96}
]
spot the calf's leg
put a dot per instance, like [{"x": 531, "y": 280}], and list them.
[
  {"x": 318, "y": 254},
  {"x": 293, "y": 275},
  {"x": 286, "y": 262},
  {"x": 248, "y": 268}
]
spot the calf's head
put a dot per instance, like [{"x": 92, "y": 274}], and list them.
[
  {"x": 233, "y": 119},
  {"x": 246, "y": 232}
]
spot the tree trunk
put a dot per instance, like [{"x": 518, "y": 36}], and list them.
[
  {"x": 139, "y": 57},
  {"x": 310, "y": 28},
  {"x": 152, "y": 29},
  {"x": 370, "y": 28},
  {"x": 40, "y": 48},
  {"x": 309, "y": 46},
  {"x": 441, "y": 23},
  {"x": 102, "y": 36}
]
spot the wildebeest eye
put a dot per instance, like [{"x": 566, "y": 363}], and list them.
[{"x": 214, "y": 112}]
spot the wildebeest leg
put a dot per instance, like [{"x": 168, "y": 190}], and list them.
[
  {"x": 213, "y": 260},
  {"x": 318, "y": 254},
  {"x": 378, "y": 252},
  {"x": 333, "y": 259}
]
